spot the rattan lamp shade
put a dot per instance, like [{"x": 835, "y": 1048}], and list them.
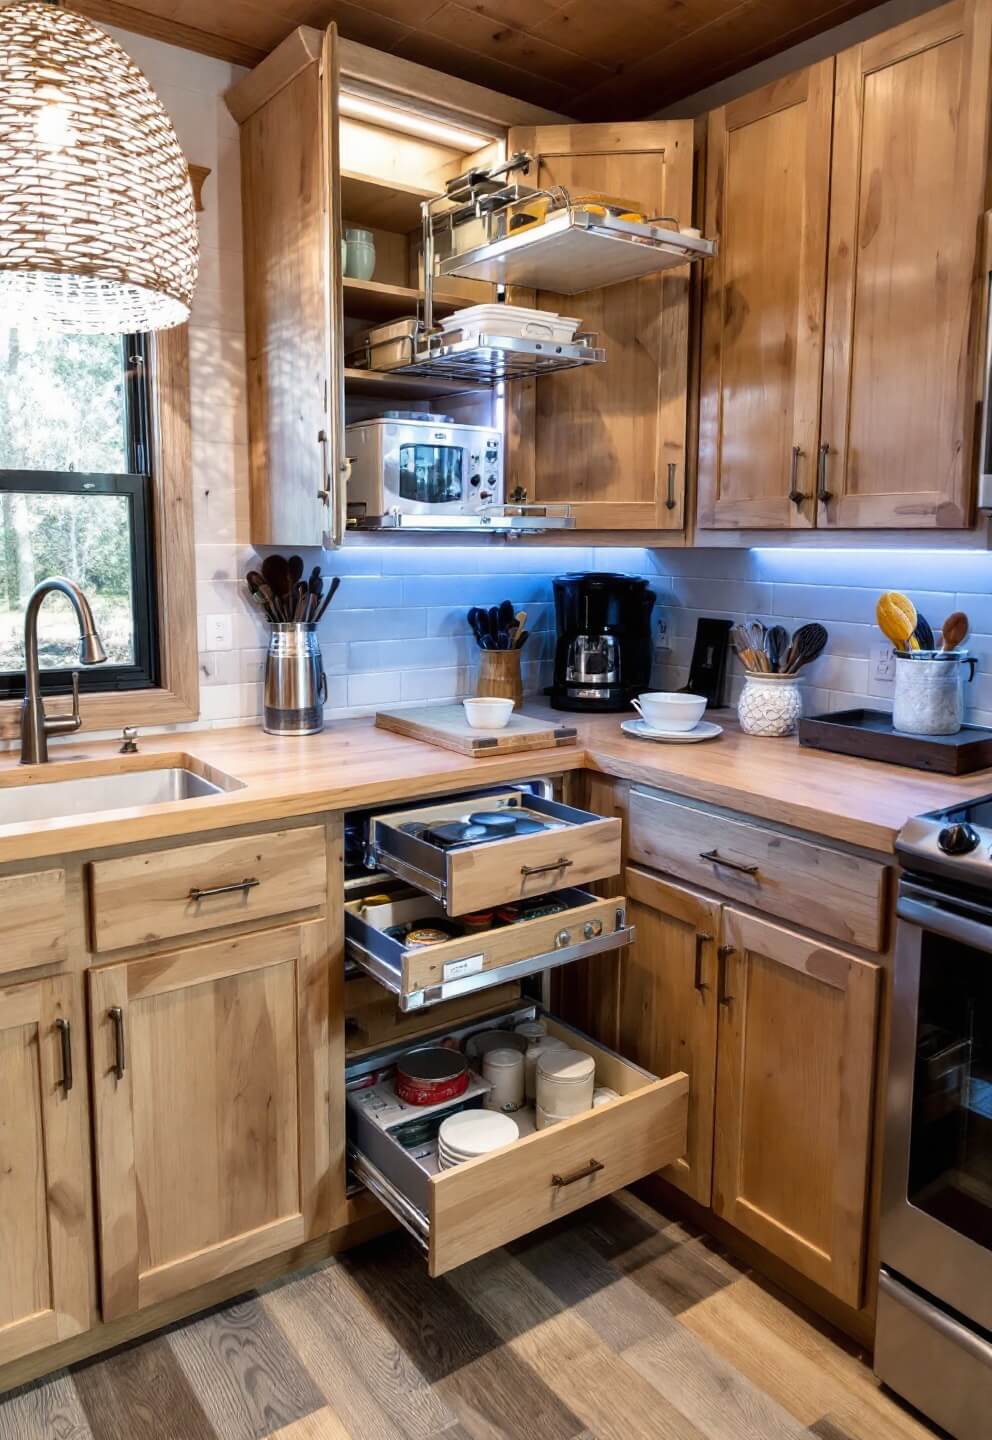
[{"x": 97, "y": 226}]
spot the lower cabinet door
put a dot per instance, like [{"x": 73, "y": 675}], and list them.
[
  {"x": 472, "y": 1208},
  {"x": 668, "y": 1009},
  {"x": 46, "y": 1242},
  {"x": 210, "y": 1076},
  {"x": 794, "y": 1098}
]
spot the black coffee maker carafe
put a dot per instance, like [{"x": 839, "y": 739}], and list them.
[{"x": 604, "y": 651}]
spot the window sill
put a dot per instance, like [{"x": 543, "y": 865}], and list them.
[{"x": 110, "y": 711}]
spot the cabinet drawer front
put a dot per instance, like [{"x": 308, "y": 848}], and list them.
[
  {"x": 576, "y": 849},
  {"x": 467, "y": 1211},
  {"x": 431, "y": 974},
  {"x": 824, "y": 889},
  {"x": 159, "y": 894},
  {"x": 34, "y": 918}
]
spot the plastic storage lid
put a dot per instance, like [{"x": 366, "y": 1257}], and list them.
[{"x": 566, "y": 1067}]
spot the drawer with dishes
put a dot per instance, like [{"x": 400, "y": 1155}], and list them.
[
  {"x": 500, "y": 847},
  {"x": 478, "y": 1134},
  {"x": 406, "y": 941}
]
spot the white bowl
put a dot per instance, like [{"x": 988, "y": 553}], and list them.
[
  {"x": 488, "y": 713},
  {"x": 668, "y": 711}
]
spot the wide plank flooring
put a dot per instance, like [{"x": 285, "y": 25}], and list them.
[{"x": 617, "y": 1324}]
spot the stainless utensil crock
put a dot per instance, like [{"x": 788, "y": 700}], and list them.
[{"x": 295, "y": 682}]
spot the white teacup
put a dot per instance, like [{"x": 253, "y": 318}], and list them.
[
  {"x": 671, "y": 711},
  {"x": 488, "y": 712}
]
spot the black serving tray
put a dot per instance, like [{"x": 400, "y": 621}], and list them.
[{"x": 869, "y": 734}]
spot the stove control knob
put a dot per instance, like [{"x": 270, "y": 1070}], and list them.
[{"x": 958, "y": 839}]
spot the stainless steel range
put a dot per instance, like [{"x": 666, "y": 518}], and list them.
[{"x": 933, "y": 1343}]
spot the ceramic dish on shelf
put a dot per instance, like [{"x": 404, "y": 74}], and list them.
[{"x": 641, "y": 730}]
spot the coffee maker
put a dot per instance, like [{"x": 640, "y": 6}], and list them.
[{"x": 604, "y": 650}]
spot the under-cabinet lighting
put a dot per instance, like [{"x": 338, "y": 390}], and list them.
[{"x": 411, "y": 122}]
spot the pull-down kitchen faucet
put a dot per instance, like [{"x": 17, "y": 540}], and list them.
[{"x": 36, "y": 726}]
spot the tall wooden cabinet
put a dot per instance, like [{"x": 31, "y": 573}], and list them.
[
  {"x": 839, "y": 345},
  {"x": 777, "y": 1032},
  {"x": 46, "y": 1250}
]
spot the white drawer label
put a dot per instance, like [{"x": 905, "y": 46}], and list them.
[{"x": 458, "y": 969}]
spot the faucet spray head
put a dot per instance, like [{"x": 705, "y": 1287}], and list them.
[{"x": 91, "y": 651}]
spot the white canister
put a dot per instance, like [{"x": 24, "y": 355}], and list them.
[
  {"x": 360, "y": 264},
  {"x": 929, "y": 691},
  {"x": 532, "y": 1029},
  {"x": 565, "y": 1082},
  {"x": 538, "y": 1046},
  {"x": 504, "y": 1069},
  {"x": 770, "y": 704}
]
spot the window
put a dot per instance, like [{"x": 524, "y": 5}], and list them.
[{"x": 76, "y": 500}]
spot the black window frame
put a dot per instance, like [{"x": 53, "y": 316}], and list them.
[{"x": 136, "y": 486}]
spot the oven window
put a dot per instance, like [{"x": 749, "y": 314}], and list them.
[
  {"x": 950, "y": 1169},
  {"x": 431, "y": 474}
]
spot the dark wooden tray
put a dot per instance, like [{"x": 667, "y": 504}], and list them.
[{"x": 869, "y": 733}]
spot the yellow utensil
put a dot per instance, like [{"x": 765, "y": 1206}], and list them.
[{"x": 896, "y": 617}]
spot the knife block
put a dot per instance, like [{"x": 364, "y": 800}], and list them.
[{"x": 499, "y": 676}]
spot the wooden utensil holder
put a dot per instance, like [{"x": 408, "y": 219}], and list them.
[{"x": 499, "y": 675}]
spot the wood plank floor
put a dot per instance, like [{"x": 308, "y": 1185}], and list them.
[{"x": 617, "y": 1324}]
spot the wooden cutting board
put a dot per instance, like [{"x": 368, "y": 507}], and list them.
[{"x": 445, "y": 725}]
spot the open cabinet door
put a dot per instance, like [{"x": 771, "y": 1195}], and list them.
[
  {"x": 610, "y": 440},
  {"x": 336, "y": 464}
]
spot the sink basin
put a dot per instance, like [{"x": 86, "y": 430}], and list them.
[{"x": 57, "y": 798}]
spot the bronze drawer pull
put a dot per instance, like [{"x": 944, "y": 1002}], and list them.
[
  {"x": 245, "y": 885},
  {"x": 718, "y": 859},
  {"x": 65, "y": 1040},
  {"x": 822, "y": 493},
  {"x": 560, "y": 1181},
  {"x": 671, "y": 502},
  {"x": 723, "y": 954},
  {"x": 560, "y": 864},
  {"x": 116, "y": 1014},
  {"x": 701, "y": 939}
]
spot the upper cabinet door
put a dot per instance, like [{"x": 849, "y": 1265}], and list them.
[
  {"x": 767, "y": 175},
  {"x": 610, "y": 440},
  {"x": 908, "y": 183},
  {"x": 293, "y": 308}
]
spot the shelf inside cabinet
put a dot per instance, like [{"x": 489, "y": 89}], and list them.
[
  {"x": 380, "y": 203},
  {"x": 374, "y": 300},
  {"x": 388, "y": 385}
]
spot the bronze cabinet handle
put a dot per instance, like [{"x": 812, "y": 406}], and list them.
[
  {"x": 701, "y": 939},
  {"x": 245, "y": 885},
  {"x": 560, "y": 1181},
  {"x": 795, "y": 494},
  {"x": 724, "y": 952},
  {"x": 324, "y": 493},
  {"x": 116, "y": 1014},
  {"x": 822, "y": 493},
  {"x": 65, "y": 1040},
  {"x": 671, "y": 502},
  {"x": 560, "y": 864},
  {"x": 716, "y": 858}
]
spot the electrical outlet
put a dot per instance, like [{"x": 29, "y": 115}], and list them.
[
  {"x": 883, "y": 662},
  {"x": 219, "y": 632}
]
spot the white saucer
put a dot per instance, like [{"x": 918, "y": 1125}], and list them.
[{"x": 641, "y": 730}]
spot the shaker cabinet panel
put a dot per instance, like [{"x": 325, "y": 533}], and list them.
[
  {"x": 907, "y": 193},
  {"x": 767, "y": 179},
  {"x": 794, "y": 1098}
]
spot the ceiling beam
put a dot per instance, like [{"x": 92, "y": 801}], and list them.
[{"x": 129, "y": 17}]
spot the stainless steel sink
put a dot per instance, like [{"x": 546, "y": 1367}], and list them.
[{"x": 87, "y": 795}]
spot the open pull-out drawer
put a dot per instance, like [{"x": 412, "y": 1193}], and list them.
[
  {"x": 427, "y": 975},
  {"x": 461, "y": 1213},
  {"x": 562, "y": 846}
]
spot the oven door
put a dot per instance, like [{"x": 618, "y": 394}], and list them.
[{"x": 937, "y": 1187}]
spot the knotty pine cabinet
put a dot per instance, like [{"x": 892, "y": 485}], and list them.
[
  {"x": 46, "y": 1248},
  {"x": 840, "y": 317},
  {"x": 211, "y": 1074},
  {"x": 777, "y": 1032}
]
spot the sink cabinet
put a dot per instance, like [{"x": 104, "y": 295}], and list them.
[{"x": 210, "y": 1077}]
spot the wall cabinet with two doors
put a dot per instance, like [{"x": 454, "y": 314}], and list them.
[
  {"x": 336, "y": 137},
  {"x": 842, "y": 316}
]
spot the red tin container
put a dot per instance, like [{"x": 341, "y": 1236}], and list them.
[{"x": 430, "y": 1075}]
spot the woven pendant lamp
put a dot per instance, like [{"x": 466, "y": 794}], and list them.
[{"x": 97, "y": 225}]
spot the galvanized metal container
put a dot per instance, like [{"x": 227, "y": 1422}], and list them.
[{"x": 295, "y": 683}]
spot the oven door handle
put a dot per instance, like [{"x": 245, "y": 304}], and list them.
[{"x": 930, "y": 916}]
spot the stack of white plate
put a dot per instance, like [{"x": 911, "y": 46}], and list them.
[{"x": 471, "y": 1133}]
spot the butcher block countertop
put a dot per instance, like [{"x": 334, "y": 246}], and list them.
[{"x": 353, "y": 765}]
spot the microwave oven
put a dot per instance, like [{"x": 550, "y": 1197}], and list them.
[{"x": 419, "y": 470}]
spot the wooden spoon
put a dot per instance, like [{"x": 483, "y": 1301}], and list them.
[
  {"x": 295, "y": 567},
  {"x": 276, "y": 573},
  {"x": 807, "y": 644},
  {"x": 954, "y": 630}
]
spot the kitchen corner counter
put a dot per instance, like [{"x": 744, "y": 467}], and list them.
[{"x": 353, "y": 765}]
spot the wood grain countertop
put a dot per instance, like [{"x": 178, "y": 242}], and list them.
[{"x": 353, "y": 765}]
